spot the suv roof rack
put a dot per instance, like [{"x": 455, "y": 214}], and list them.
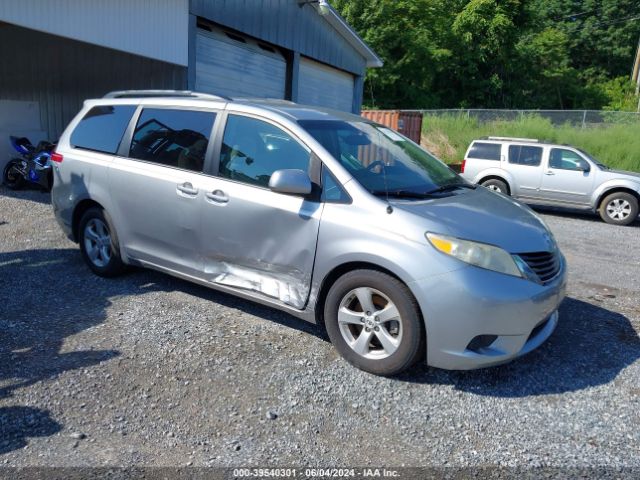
[
  {"x": 163, "y": 93},
  {"x": 515, "y": 139}
]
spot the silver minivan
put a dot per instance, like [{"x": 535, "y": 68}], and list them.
[
  {"x": 542, "y": 173},
  {"x": 325, "y": 215}
]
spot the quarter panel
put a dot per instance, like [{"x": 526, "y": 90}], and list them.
[{"x": 610, "y": 184}]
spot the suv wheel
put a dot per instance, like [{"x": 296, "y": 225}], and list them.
[
  {"x": 619, "y": 208},
  {"x": 99, "y": 243},
  {"x": 373, "y": 321},
  {"x": 496, "y": 185}
]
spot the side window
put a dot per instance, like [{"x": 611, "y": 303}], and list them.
[
  {"x": 252, "y": 150},
  {"x": 562, "y": 159},
  {"x": 175, "y": 138},
  {"x": 525, "y": 155},
  {"x": 102, "y": 128},
  {"x": 332, "y": 192},
  {"x": 485, "y": 151}
]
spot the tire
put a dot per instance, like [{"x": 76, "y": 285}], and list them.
[
  {"x": 496, "y": 185},
  {"x": 99, "y": 243},
  {"x": 346, "y": 322},
  {"x": 619, "y": 208},
  {"x": 11, "y": 179}
]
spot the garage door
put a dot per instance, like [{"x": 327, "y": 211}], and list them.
[
  {"x": 321, "y": 85},
  {"x": 231, "y": 65}
]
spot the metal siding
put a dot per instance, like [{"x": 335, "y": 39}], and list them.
[
  {"x": 61, "y": 73},
  {"x": 156, "y": 29},
  {"x": 227, "y": 67},
  {"x": 325, "y": 86},
  {"x": 284, "y": 23}
]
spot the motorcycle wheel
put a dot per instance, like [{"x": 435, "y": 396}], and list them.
[{"x": 12, "y": 177}]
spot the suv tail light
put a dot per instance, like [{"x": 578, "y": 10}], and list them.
[
  {"x": 56, "y": 157},
  {"x": 462, "y": 165}
]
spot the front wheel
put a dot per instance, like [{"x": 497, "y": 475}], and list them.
[
  {"x": 619, "y": 208},
  {"x": 99, "y": 243},
  {"x": 374, "y": 322},
  {"x": 12, "y": 177}
]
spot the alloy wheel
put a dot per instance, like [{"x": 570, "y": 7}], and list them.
[
  {"x": 619, "y": 209},
  {"x": 97, "y": 242},
  {"x": 370, "y": 323}
]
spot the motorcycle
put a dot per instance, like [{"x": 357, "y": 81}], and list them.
[{"x": 33, "y": 166}]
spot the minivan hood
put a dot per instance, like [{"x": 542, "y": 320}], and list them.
[{"x": 484, "y": 216}]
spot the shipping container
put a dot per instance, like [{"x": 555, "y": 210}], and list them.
[{"x": 407, "y": 123}]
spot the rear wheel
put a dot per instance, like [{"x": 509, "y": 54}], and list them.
[
  {"x": 619, "y": 208},
  {"x": 99, "y": 243},
  {"x": 374, "y": 322},
  {"x": 496, "y": 185},
  {"x": 11, "y": 176}
]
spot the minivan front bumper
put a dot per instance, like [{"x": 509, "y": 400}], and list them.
[{"x": 477, "y": 318}]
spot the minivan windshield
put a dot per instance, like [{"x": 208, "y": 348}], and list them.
[{"x": 383, "y": 161}]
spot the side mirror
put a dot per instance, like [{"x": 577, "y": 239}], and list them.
[
  {"x": 291, "y": 182},
  {"x": 584, "y": 166}
]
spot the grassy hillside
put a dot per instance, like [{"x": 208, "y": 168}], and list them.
[{"x": 618, "y": 146}]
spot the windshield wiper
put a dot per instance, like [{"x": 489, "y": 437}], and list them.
[
  {"x": 451, "y": 186},
  {"x": 400, "y": 194}
]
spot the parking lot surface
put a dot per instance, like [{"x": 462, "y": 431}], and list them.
[{"x": 150, "y": 370}]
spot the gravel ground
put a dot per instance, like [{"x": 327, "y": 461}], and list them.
[{"x": 150, "y": 370}]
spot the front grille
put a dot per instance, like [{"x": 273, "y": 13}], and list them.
[{"x": 545, "y": 265}]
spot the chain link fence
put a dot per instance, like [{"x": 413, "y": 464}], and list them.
[{"x": 578, "y": 118}]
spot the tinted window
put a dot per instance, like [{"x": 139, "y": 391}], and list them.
[
  {"x": 102, "y": 128},
  {"x": 565, "y": 160},
  {"x": 525, "y": 155},
  {"x": 485, "y": 151},
  {"x": 252, "y": 150},
  {"x": 175, "y": 138}
]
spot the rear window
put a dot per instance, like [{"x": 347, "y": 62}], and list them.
[
  {"x": 525, "y": 155},
  {"x": 102, "y": 128},
  {"x": 485, "y": 151}
]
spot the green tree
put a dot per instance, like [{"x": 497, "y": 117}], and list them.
[{"x": 403, "y": 33}]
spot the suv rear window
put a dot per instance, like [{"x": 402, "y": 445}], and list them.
[
  {"x": 102, "y": 128},
  {"x": 525, "y": 155},
  {"x": 485, "y": 151}
]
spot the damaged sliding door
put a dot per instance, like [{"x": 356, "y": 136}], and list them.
[{"x": 253, "y": 238}]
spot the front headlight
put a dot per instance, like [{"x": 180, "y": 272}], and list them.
[{"x": 478, "y": 254}]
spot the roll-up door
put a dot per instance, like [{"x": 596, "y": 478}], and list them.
[
  {"x": 232, "y": 65},
  {"x": 321, "y": 85}
]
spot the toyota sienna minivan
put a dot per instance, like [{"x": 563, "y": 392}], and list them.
[{"x": 323, "y": 214}]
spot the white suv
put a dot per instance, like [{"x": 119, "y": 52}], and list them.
[{"x": 549, "y": 174}]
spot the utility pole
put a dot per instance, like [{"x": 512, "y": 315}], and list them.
[{"x": 635, "y": 74}]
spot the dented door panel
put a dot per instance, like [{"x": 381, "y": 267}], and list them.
[{"x": 257, "y": 240}]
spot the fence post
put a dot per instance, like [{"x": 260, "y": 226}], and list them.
[{"x": 584, "y": 119}]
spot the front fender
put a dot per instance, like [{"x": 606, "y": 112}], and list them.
[{"x": 612, "y": 184}]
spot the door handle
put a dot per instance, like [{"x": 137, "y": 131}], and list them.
[
  {"x": 187, "y": 189},
  {"x": 217, "y": 196},
  {"x": 549, "y": 172}
]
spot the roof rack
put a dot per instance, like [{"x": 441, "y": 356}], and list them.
[
  {"x": 515, "y": 139},
  {"x": 163, "y": 93}
]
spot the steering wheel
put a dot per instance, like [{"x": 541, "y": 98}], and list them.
[{"x": 374, "y": 164}]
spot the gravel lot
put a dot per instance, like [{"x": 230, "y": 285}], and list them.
[{"x": 150, "y": 370}]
